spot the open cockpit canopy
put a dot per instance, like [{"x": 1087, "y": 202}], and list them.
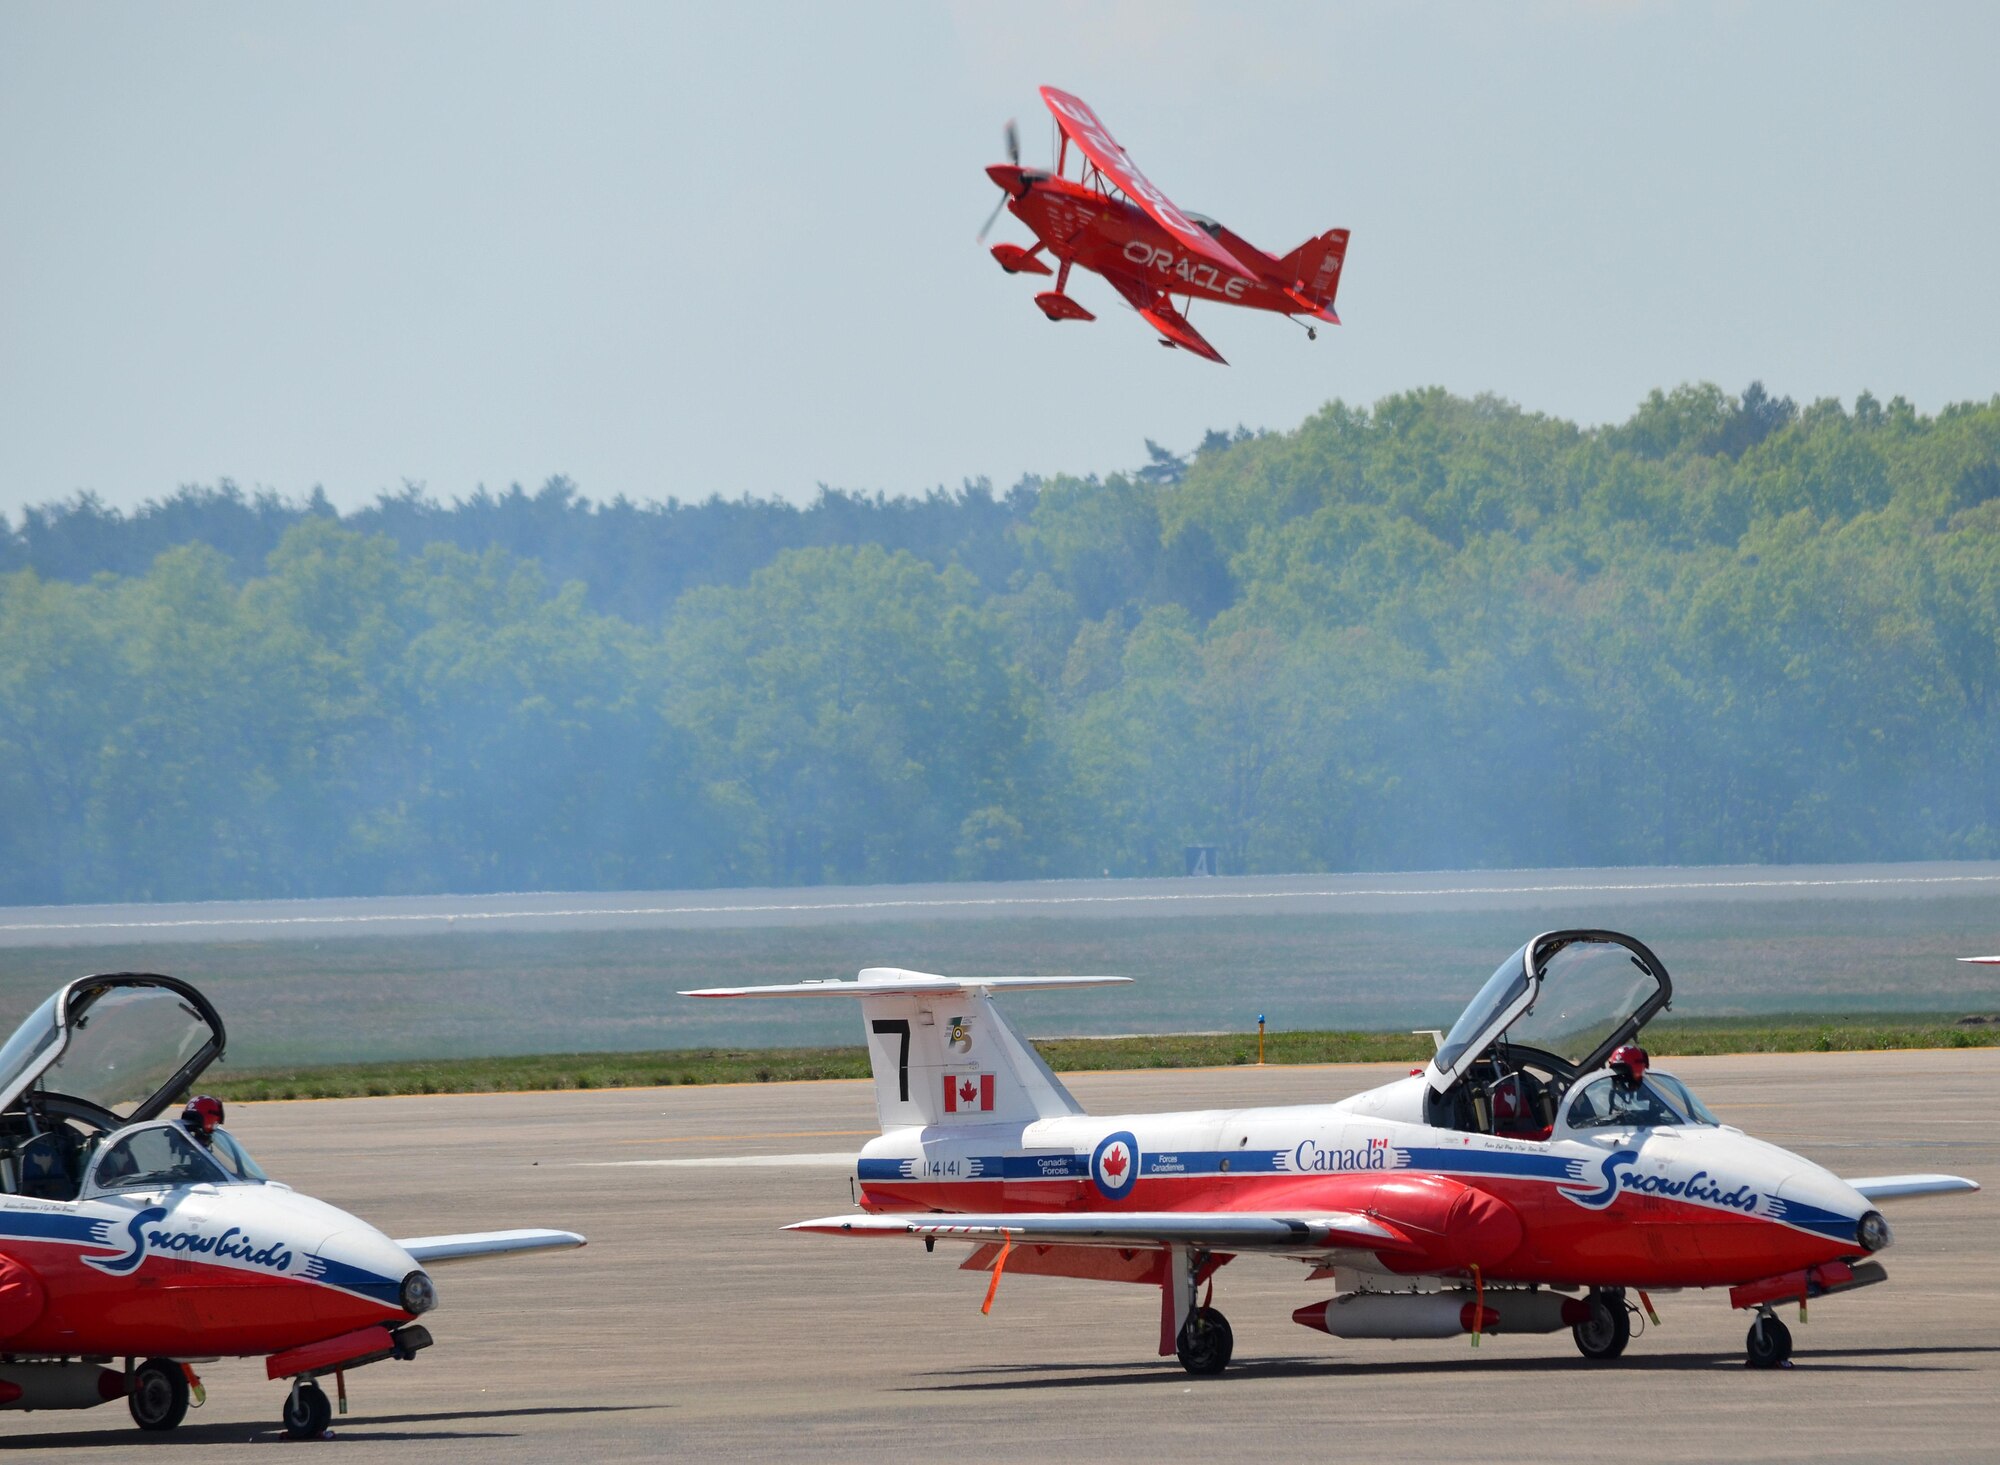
[
  {"x": 1572, "y": 995},
  {"x": 119, "y": 1048}
]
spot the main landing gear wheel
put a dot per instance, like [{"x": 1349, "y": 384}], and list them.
[
  {"x": 1768, "y": 1344},
  {"x": 159, "y": 1397},
  {"x": 307, "y": 1412},
  {"x": 1603, "y": 1335},
  {"x": 1205, "y": 1342}
]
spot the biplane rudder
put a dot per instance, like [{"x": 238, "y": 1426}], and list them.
[{"x": 1313, "y": 270}]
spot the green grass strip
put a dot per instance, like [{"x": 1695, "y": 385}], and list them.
[{"x": 1666, "y": 1039}]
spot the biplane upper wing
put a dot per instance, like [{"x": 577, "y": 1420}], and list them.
[
  {"x": 1082, "y": 127},
  {"x": 1159, "y": 313}
]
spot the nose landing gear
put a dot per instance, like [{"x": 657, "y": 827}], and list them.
[
  {"x": 307, "y": 1410},
  {"x": 1769, "y": 1342}
]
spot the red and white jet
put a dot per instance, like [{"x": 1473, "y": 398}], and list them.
[
  {"x": 1113, "y": 221},
  {"x": 124, "y": 1235},
  {"x": 1531, "y": 1178}
]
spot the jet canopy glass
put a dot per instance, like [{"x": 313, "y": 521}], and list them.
[
  {"x": 1572, "y": 995},
  {"x": 118, "y": 1048}
]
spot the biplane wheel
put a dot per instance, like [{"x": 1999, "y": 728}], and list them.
[
  {"x": 1768, "y": 1344},
  {"x": 159, "y": 1397},
  {"x": 307, "y": 1412},
  {"x": 1312, "y": 334},
  {"x": 1603, "y": 1335},
  {"x": 1205, "y": 1342}
]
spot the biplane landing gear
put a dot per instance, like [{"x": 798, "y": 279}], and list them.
[
  {"x": 1769, "y": 1342},
  {"x": 307, "y": 1411},
  {"x": 159, "y": 1394},
  {"x": 1206, "y": 1342},
  {"x": 1603, "y": 1335},
  {"x": 1312, "y": 333}
]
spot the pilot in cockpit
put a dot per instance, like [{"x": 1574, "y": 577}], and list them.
[
  {"x": 1630, "y": 1099},
  {"x": 202, "y": 1117}
]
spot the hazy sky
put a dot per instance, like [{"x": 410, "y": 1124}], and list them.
[{"x": 729, "y": 248}]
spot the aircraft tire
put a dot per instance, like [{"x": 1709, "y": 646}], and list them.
[
  {"x": 1608, "y": 1330},
  {"x": 1206, "y": 1342},
  {"x": 159, "y": 1397},
  {"x": 1768, "y": 1343},
  {"x": 307, "y": 1412}
]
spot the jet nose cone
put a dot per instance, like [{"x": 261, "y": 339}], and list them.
[
  {"x": 1818, "y": 1201},
  {"x": 364, "y": 1261}
]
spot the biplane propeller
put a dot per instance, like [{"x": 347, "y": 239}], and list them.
[{"x": 1113, "y": 221}]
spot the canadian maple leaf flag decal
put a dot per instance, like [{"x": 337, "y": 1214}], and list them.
[{"x": 968, "y": 1092}]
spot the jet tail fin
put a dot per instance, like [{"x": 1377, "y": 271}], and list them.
[{"x": 940, "y": 1050}]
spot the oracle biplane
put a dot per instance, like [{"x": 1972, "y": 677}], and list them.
[{"x": 1114, "y": 222}]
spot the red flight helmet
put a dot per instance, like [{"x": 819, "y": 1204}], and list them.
[
  {"x": 202, "y": 1116},
  {"x": 1628, "y": 1064}
]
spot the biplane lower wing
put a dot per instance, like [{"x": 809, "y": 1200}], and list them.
[{"x": 1159, "y": 313}]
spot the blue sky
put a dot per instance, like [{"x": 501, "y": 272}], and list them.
[{"x": 683, "y": 250}]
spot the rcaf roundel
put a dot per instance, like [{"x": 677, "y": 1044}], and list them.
[{"x": 1114, "y": 1165}]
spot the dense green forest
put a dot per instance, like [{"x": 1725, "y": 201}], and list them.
[{"x": 1436, "y": 633}]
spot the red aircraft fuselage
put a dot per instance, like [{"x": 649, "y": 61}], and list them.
[{"x": 1111, "y": 237}]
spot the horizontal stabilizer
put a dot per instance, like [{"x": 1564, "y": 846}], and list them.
[
  {"x": 888, "y": 981},
  {"x": 434, "y": 1251},
  {"x": 1904, "y": 1187},
  {"x": 1219, "y": 1230},
  {"x": 1018, "y": 261}
]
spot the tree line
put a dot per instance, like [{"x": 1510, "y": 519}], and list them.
[{"x": 1435, "y": 632}]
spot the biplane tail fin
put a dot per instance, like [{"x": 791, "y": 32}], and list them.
[
  {"x": 1313, "y": 272},
  {"x": 940, "y": 1050}
]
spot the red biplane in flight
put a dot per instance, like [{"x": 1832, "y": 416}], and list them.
[{"x": 1114, "y": 222}]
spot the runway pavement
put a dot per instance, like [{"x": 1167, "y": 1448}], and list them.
[
  {"x": 691, "y": 1328},
  {"x": 1618, "y": 888}
]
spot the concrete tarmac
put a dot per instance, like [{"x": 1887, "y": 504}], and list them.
[
  {"x": 1580, "y": 891},
  {"x": 690, "y": 1328}
]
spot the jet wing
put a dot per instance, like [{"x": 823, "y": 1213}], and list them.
[
  {"x": 1082, "y": 127},
  {"x": 1903, "y": 1187},
  {"x": 1235, "y": 1231},
  {"x": 1159, "y": 313},
  {"x": 434, "y": 1251}
]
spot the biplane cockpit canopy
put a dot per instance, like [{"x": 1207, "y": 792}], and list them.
[{"x": 1211, "y": 227}]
